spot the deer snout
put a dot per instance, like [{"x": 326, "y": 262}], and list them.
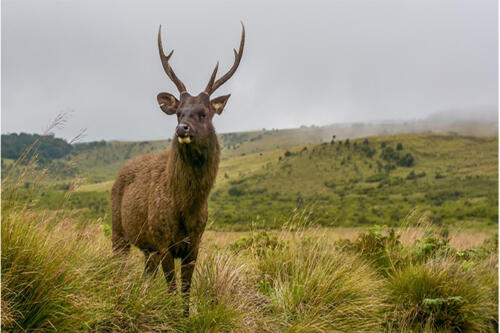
[{"x": 182, "y": 130}]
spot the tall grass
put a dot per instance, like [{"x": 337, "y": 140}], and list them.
[
  {"x": 440, "y": 296},
  {"x": 58, "y": 273},
  {"x": 55, "y": 276}
]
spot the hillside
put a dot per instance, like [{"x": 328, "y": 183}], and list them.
[
  {"x": 368, "y": 181},
  {"x": 375, "y": 180},
  {"x": 100, "y": 161}
]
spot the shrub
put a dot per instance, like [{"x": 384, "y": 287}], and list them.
[
  {"x": 389, "y": 154},
  {"x": 379, "y": 246},
  {"x": 439, "y": 176},
  {"x": 440, "y": 296},
  {"x": 413, "y": 175},
  {"x": 406, "y": 160},
  {"x": 258, "y": 243},
  {"x": 330, "y": 184},
  {"x": 376, "y": 177},
  {"x": 431, "y": 246},
  {"x": 236, "y": 191}
]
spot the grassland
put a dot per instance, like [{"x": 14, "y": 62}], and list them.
[
  {"x": 58, "y": 274},
  {"x": 307, "y": 233},
  {"x": 349, "y": 183}
]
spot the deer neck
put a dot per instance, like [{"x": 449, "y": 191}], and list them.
[{"x": 193, "y": 168}]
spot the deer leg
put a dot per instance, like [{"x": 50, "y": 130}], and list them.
[
  {"x": 187, "y": 269},
  {"x": 168, "y": 265},
  {"x": 121, "y": 246},
  {"x": 153, "y": 260}
]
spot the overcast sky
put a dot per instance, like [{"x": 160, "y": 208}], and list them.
[{"x": 305, "y": 62}]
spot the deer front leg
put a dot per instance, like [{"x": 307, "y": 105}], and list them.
[
  {"x": 187, "y": 269},
  {"x": 168, "y": 266},
  {"x": 152, "y": 262}
]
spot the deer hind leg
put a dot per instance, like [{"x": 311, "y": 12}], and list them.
[{"x": 121, "y": 247}]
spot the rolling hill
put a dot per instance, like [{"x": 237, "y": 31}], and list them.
[{"x": 265, "y": 176}]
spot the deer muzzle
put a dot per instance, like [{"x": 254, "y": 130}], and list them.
[{"x": 182, "y": 133}]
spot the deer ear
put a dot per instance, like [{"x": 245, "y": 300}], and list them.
[
  {"x": 168, "y": 103},
  {"x": 218, "y": 103}
]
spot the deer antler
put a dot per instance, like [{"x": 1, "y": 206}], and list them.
[
  {"x": 211, "y": 86},
  {"x": 166, "y": 66}
]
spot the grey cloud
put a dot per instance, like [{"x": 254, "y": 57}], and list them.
[{"x": 305, "y": 62}]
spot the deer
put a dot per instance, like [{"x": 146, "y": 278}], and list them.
[{"x": 159, "y": 202}]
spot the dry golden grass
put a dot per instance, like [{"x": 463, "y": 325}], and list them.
[{"x": 459, "y": 238}]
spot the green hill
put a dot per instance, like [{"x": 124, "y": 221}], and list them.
[{"x": 376, "y": 180}]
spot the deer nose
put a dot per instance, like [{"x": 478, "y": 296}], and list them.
[{"x": 182, "y": 130}]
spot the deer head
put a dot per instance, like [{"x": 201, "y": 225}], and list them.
[{"x": 195, "y": 113}]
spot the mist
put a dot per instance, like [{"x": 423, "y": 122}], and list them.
[{"x": 303, "y": 64}]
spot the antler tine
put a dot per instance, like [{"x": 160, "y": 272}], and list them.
[
  {"x": 212, "y": 79},
  {"x": 166, "y": 66},
  {"x": 237, "y": 58}
]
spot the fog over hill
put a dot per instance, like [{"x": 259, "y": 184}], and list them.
[{"x": 478, "y": 114}]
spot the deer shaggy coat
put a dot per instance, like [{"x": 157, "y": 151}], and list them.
[
  {"x": 159, "y": 201},
  {"x": 159, "y": 204}
]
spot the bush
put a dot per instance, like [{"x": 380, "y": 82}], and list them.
[
  {"x": 431, "y": 246},
  {"x": 406, "y": 160},
  {"x": 376, "y": 178},
  {"x": 330, "y": 184},
  {"x": 236, "y": 191},
  {"x": 440, "y": 296},
  {"x": 389, "y": 154},
  {"x": 380, "y": 247},
  {"x": 413, "y": 175},
  {"x": 258, "y": 243}
]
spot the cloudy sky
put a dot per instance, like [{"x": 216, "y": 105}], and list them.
[{"x": 305, "y": 62}]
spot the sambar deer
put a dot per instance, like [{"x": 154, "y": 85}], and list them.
[{"x": 159, "y": 201}]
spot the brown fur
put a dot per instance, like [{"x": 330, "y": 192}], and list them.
[
  {"x": 159, "y": 204},
  {"x": 159, "y": 201}
]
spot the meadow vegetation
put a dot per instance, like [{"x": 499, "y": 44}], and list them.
[
  {"x": 379, "y": 234},
  {"x": 344, "y": 183},
  {"x": 58, "y": 273}
]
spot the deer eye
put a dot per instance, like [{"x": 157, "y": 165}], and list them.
[{"x": 203, "y": 116}]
